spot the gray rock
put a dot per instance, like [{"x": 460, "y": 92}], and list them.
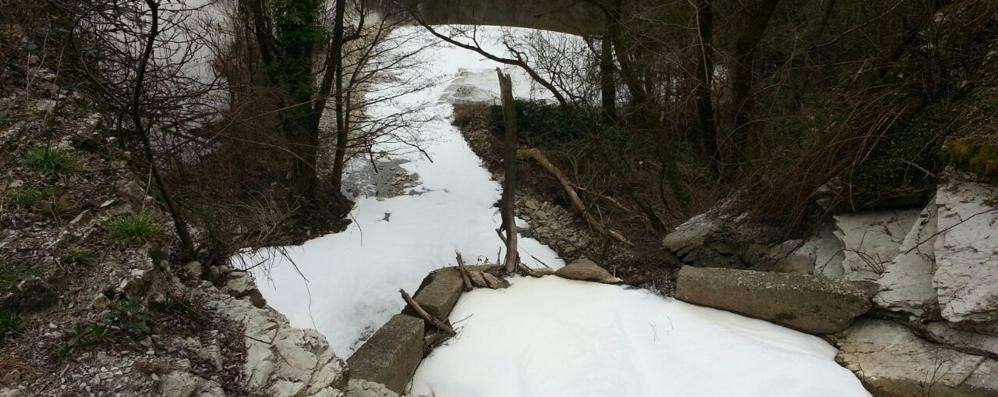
[
  {"x": 893, "y": 362},
  {"x": 870, "y": 240},
  {"x": 826, "y": 250},
  {"x": 278, "y": 356},
  {"x": 193, "y": 270},
  {"x": 906, "y": 285},
  {"x": 963, "y": 340},
  {"x": 34, "y": 294},
  {"x": 391, "y": 355},
  {"x": 240, "y": 285},
  {"x": 363, "y": 388},
  {"x": 186, "y": 384},
  {"x": 586, "y": 270},
  {"x": 966, "y": 249},
  {"x": 804, "y": 302}
]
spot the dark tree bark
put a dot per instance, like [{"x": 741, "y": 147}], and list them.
[
  {"x": 755, "y": 18},
  {"x": 186, "y": 243},
  {"x": 608, "y": 87},
  {"x": 704, "y": 88},
  {"x": 508, "y": 200}
]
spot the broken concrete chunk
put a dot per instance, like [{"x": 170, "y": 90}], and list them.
[
  {"x": 392, "y": 354},
  {"x": 440, "y": 292},
  {"x": 805, "y": 302}
]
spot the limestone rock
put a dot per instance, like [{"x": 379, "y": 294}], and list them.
[
  {"x": 906, "y": 285},
  {"x": 962, "y": 340},
  {"x": 586, "y": 270},
  {"x": 871, "y": 239},
  {"x": 363, "y": 388},
  {"x": 240, "y": 285},
  {"x": 804, "y": 302},
  {"x": 826, "y": 251},
  {"x": 893, "y": 362},
  {"x": 186, "y": 384},
  {"x": 966, "y": 250},
  {"x": 280, "y": 358},
  {"x": 193, "y": 270}
]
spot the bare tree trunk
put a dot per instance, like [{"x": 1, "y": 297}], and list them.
[
  {"x": 704, "y": 88},
  {"x": 755, "y": 20},
  {"x": 509, "y": 182},
  {"x": 339, "y": 158},
  {"x": 608, "y": 87},
  {"x": 186, "y": 243}
]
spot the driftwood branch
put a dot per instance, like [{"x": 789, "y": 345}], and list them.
[
  {"x": 464, "y": 273},
  {"x": 537, "y": 156},
  {"x": 436, "y": 322}
]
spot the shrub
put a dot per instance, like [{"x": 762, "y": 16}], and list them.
[
  {"x": 85, "y": 335},
  {"x": 52, "y": 161},
  {"x": 137, "y": 227},
  {"x": 9, "y": 324},
  {"x": 132, "y": 317},
  {"x": 13, "y": 273},
  {"x": 539, "y": 121},
  {"x": 80, "y": 257},
  {"x": 22, "y": 198}
]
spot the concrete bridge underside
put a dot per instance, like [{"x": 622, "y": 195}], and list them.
[{"x": 567, "y": 16}]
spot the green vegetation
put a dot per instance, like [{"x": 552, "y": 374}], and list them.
[
  {"x": 981, "y": 159},
  {"x": 52, "y": 161},
  {"x": 9, "y": 324},
  {"x": 85, "y": 335},
  {"x": 23, "y": 198},
  {"x": 137, "y": 227},
  {"x": 542, "y": 122},
  {"x": 132, "y": 317},
  {"x": 81, "y": 257},
  {"x": 12, "y": 273}
]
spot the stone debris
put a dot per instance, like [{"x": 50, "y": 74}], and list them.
[
  {"x": 364, "y": 388},
  {"x": 186, "y": 384},
  {"x": 586, "y": 270}
]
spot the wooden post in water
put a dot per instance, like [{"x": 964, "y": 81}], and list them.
[{"x": 508, "y": 200}]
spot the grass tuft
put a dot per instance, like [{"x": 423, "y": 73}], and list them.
[
  {"x": 52, "y": 161},
  {"x": 22, "y": 198},
  {"x": 80, "y": 257},
  {"x": 137, "y": 227}
]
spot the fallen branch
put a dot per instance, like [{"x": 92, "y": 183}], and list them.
[
  {"x": 464, "y": 273},
  {"x": 542, "y": 160},
  {"x": 442, "y": 326}
]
